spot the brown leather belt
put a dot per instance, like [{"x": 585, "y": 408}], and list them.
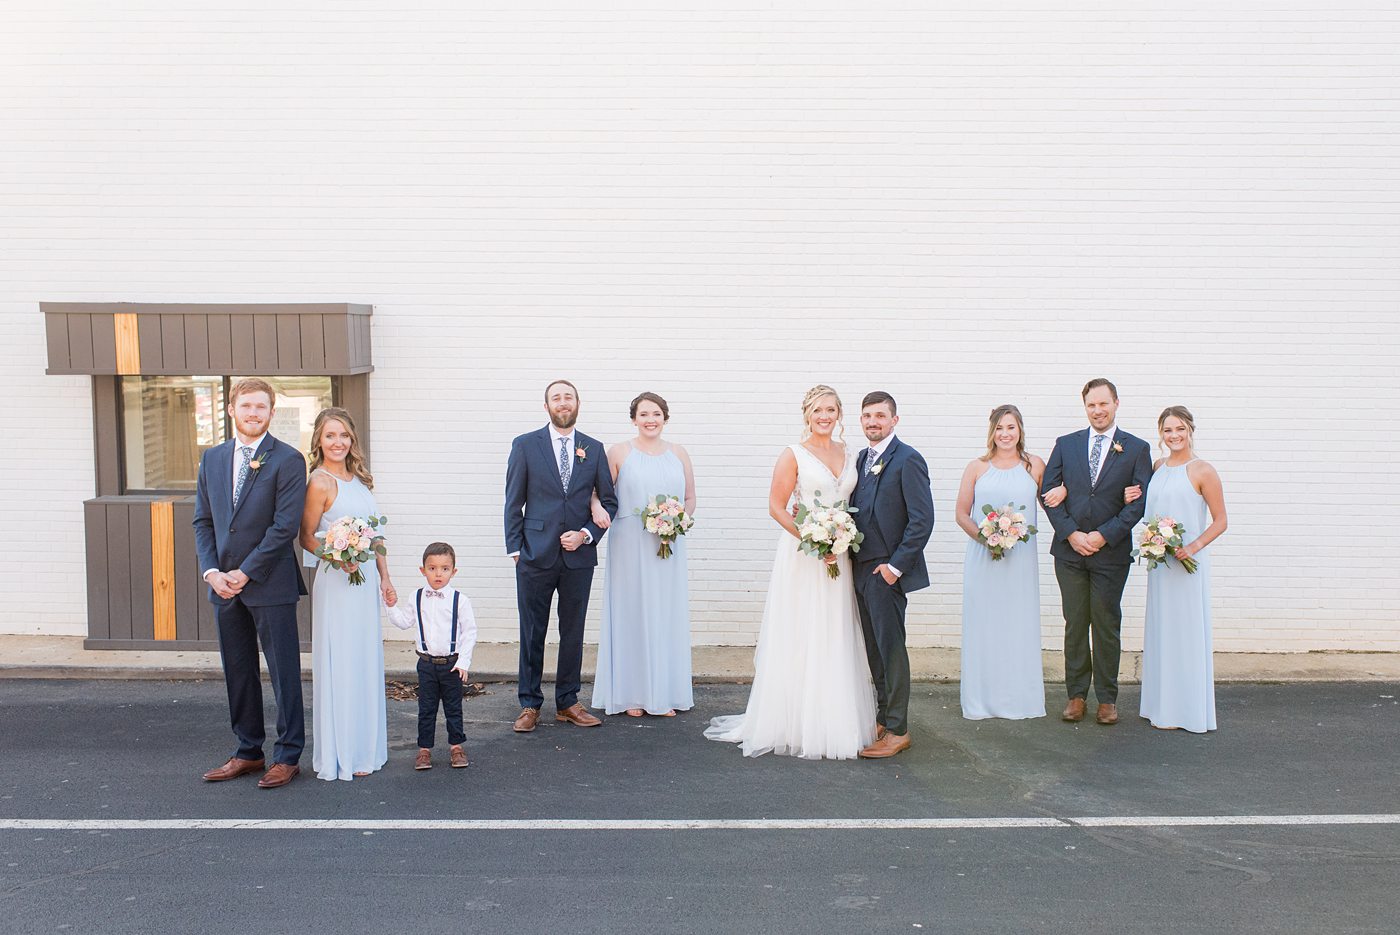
[{"x": 438, "y": 660}]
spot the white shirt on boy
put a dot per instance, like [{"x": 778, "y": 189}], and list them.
[{"x": 437, "y": 623}]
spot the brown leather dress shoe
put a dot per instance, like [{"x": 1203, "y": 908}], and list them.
[
  {"x": 1107, "y": 714},
  {"x": 279, "y": 775},
  {"x": 1074, "y": 711},
  {"x": 879, "y": 730},
  {"x": 424, "y": 759},
  {"x": 577, "y": 715},
  {"x": 233, "y": 769},
  {"x": 888, "y": 745},
  {"x": 459, "y": 756},
  {"x": 526, "y": 719}
]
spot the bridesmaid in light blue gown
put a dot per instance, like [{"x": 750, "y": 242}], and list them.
[
  {"x": 644, "y": 645},
  {"x": 1001, "y": 667},
  {"x": 349, "y": 727},
  {"x": 1178, "y": 671}
]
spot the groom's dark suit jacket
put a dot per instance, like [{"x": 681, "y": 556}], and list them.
[
  {"x": 260, "y": 535},
  {"x": 1100, "y": 507},
  {"x": 537, "y": 510},
  {"x": 895, "y": 513}
]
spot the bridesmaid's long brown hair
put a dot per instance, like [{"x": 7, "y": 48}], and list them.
[
  {"x": 354, "y": 459},
  {"x": 997, "y": 415}
]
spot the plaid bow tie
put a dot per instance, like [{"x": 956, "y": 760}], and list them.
[{"x": 431, "y": 593}]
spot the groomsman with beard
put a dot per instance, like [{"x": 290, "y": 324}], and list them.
[
  {"x": 550, "y": 479},
  {"x": 894, "y": 506},
  {"x": 1093, "y": 544}
]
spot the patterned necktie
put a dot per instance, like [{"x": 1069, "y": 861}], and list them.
[
  {"x": 872, "y": 457},
  {"x": 1094, "y": 457},
  {"x": 242, "y": 473},
  {"x": 566, "y": 463}
]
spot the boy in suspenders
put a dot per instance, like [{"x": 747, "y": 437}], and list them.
[{"x": 446, "y": 629}]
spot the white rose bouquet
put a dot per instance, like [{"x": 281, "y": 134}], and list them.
[
  {"x": 352, "y": 541},
  {"x": 665, "y": 517},
  {"x": 1159, "y": 540},
  {"x": 1002, "y": 528},
  {"x": 828, "y": 530}
]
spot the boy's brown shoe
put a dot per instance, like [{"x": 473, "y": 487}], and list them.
[
  {"x": 459, "y": 756},
  {"x": 424, "y": 760}
]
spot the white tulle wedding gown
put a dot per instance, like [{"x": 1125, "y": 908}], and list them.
[{"x": 812, "y": 696}]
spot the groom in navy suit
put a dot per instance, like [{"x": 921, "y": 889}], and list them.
[
  {"x": 248, "y": 504},
  {"x": 550, "y": 480},
  {"x": 895, "y": 514},
  {"x": 1093, "y": 544}
]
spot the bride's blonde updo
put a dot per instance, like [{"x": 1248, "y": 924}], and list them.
[{"x": 809, "y": 402}]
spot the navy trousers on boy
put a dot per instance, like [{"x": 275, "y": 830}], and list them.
[{"x": 439, "y": 683}]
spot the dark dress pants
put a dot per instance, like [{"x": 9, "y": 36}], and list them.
[
  {"x": 241, "y": 629},
  {"x": 534, "y": 593},
  {"x": 1092, "y": 599},
  {"x": 439, "y": 684},
  {"x": 882, "y": 607}
]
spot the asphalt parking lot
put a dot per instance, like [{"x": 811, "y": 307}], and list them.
[{"x": 645, "y": 826}]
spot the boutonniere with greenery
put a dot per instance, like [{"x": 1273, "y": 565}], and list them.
[
  {"x": 877, "y": 467},
  {"x": 580, "y": 454},
  {"x": 1118, "y": 447},
  {"x": 257, "y": 462}
]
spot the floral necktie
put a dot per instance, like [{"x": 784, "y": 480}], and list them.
[
  {"x": 1094, "y": 457},
  {"x": 872, "y": 457},
  {"x": 566, "y": 464},
  {"x": 242, "y": 473}
]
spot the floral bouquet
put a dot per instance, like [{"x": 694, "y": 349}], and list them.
[
  {"x": 828, "y": 530},
  {"x": 1002, "y": 528},
  {"x": 665, "y": 517},
  {"x": 352, "y": 540},
  {"x": 1160, "y": 539}
]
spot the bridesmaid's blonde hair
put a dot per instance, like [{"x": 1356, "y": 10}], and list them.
[
  {"x": 998, "y": 414},
  {"x": 354, "y": 459},
  {"x": 809, "y": 402}
]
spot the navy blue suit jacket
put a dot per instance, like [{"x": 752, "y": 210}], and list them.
[
  {"x": 538, "y": 512},
  {"x": 1099, "y": 507},
  {"x": 259, "y": 537},
  {"x": 895, "y": 513}
]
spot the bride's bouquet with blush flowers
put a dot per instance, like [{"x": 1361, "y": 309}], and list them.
[
  {"x": 351, "y": 540},
  {"x": 828, "y": 530},
  {"x": 665, "y": 517},
  {"x": 1160, "y": 539},
  {"x": 1003, "y": 528}
]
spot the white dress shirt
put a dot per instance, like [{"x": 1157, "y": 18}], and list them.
[
  {"x": 880, "y": 448},
  {"x": 437, "y": 624},
  {"x": 1103, "y": 454}
]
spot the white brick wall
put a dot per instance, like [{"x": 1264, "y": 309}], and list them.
[{"x": 1196, "y": 199}]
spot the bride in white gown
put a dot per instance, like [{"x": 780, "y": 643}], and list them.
[{"x": 812, "y": 695}]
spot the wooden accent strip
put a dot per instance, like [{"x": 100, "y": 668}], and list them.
[
  {"x": 163, "y": 569},
  {"x": 128, "y": 344}
]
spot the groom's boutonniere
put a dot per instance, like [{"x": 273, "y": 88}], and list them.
[
  {"x": 580, "y": 454},
  {"x": 257, "y": 462},
  {"x": 1118, "y": 447},
  {"x": 877, "y": 467}
]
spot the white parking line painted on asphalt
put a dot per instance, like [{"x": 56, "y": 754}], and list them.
[{"x": 679, "y": 824}]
